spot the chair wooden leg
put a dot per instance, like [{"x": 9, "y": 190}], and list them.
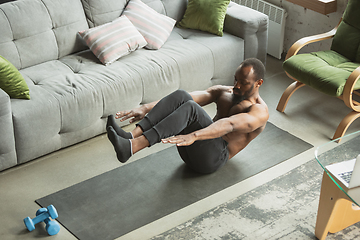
[
  {"x": 345, "y": 123},
  {"x": 335, "y": 211},
  {"x": 287, "y": 94}
]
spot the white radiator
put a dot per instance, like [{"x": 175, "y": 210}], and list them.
[{"x": 277, "y": 17}]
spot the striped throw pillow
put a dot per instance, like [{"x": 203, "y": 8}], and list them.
[
  {"x": 113, "y": 40},
  {"x": 155, "y": 27}
]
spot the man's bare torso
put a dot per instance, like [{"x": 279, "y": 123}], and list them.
[{"x": 226, "y": 108}]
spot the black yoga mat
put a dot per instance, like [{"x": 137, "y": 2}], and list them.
[{"x": 131, "y": 196}]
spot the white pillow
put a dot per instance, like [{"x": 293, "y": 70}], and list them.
[
  {"x": 113, "y": 40},
  {"x": 155, "y": 27}
]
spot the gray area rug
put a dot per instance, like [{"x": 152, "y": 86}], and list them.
[
  {"x": 124, "y": 199},
  {"x": 285, "y": 208}
]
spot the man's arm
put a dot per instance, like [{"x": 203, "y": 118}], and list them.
[
  {"x": 137, "y": 113},
  {"x": 209, "y": 95},
  {"x": 241, "y": 123}
]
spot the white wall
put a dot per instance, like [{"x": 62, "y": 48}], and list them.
[{"x": 302, "y": 22}]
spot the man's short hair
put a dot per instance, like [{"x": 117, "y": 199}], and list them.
[{"x": 257, "y": 65}]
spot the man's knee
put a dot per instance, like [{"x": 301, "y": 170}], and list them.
[
  {"x": 182, "y": 95},
  {"x": 191, "y": 104}
]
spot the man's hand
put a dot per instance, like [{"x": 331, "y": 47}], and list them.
[
  {"x": 136, "y": 114},
  {"x": 181, "y": 140}
]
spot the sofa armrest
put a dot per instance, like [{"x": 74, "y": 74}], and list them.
[
  {"x": 250, "y": 25},
  {"x": 7, "y": 140}
]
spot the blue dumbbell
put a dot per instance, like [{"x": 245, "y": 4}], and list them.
[
  {"x": 42, "y": 215},
  {"x": 52, "y": 227}
]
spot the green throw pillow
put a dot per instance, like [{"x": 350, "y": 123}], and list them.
[
  {"x": 205, "y": 15},
  {"x": 11, "y": 80}
]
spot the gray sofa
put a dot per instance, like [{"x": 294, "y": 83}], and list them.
[{"x": 72, "y": 92}]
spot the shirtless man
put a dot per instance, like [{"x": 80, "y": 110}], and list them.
[{"x": 203, "y": 143}]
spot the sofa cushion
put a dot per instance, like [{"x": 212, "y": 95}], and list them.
[
  {"x": 67, "y": 18},
  {"x": 119, "y": 84},
  {"x": 326, "y": 71},
  {"x": 99, "y": 12},
  {"x": 227, "y": 53},
  {"x": 11, "y": 80},
  {"x": 113, "y": 40},
  {"x": 205, "y": 15},
  {"x": 174, "y": 9},
  {"x": 155, "y": 27},
  {"x": 30, "y": 25},
  {"x": 70, "y": 106},
  {"x": 42, "y": 112}
]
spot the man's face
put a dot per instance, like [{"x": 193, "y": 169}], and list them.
[{"x": 244, "y": 83}]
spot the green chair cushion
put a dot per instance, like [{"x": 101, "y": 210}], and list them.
[
  {"x": 351, "y": 14},
  {"x": 347, "y": 38},
  {"x": 326, "y": 71},
  {"x": 347, "y": 41},
  {"x": 11, "y": 80},
  {"x": 205, "y": 15}
]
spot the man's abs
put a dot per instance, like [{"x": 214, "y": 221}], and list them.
[{"x": 238, "y": 141}]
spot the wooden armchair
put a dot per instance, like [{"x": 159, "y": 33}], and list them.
[{"x": 335, "y": 71}]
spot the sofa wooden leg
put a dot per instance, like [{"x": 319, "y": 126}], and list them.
[
  {"x": 287, "y": 94},
  {"x": 335, "y": 211},
  {"x": 344, "y": 124}
]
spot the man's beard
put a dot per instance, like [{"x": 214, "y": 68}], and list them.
[{"x": 237, "y": 98}]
